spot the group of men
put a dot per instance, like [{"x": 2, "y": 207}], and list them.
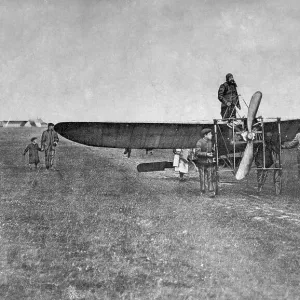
[{"x": 203, "y": 155}]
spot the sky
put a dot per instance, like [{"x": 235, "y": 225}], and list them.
[{"x": 146, "y": 60}]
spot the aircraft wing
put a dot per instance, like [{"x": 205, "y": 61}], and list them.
[
  {"x": 152, "y": 135},
  {"x": 133, "y": 135},
  {"x": 289, "y": 128}
]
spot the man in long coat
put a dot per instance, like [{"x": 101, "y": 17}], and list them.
[
  {"x": 48, "y": 143},
  {"x": 229, "y": 98},
  {"x": 292, "y": 144}
]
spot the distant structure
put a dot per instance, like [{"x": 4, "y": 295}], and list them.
[
  {"x": 11, "y": 123},
  {"x": 43, "y": 124},
  {"x": 28, "y": 123}
]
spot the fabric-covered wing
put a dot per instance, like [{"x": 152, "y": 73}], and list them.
[{"x": 133, "y": 135}]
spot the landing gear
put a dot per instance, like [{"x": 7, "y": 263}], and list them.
[{"x": 235, "y": 145}]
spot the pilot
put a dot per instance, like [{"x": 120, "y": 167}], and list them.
[
  {"x": 271, "y": 149},
  {"x": 229, "y": 98},
  {"x": 49, "y": 142},
  {"x": 204, "y": 160},
  {"x": 292, "y": 144}
]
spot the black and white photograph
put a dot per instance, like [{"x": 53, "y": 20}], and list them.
[{"x": 149, "y": 150}]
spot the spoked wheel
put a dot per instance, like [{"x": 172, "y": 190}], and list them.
[{"x": 278, "y": 181}]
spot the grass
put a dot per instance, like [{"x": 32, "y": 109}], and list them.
[{"x": 97, "y": 229}]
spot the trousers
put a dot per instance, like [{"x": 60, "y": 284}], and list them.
[
  {"x": 49, "y": 157},
  {"x": 261, "y": 177},
  {"x": 206, "y": 177},
  {"x": 228, "y": 112}
]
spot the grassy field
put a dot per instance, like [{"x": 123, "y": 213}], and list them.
[{"x": 97, "y": 229}]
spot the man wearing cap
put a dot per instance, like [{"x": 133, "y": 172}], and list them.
[
  {"x": 229, "y": 98},
  {"x": 205, "y": 162},
  {"x": 48, "y": 143}
]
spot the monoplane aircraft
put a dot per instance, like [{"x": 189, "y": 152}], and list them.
[{"x": 185, "y": 136}]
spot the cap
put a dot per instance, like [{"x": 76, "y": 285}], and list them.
[
  {"x": 50, "y": 124},
  {"x": 205, "y": 131},
  {"x": 32, "y": 139}
]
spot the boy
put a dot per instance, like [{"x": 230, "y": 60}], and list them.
[
  {"x": 33, "y": 149},
  {"x": 204, "y": 160}
]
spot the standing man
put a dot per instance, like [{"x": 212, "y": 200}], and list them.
[
  {"x": 205, "y": 162},
  {"x": 48, "y": 143},
  {"x": 265, "y": 159},
  {"x": 229, "y": 98},
  {"x": 295, "y": 142}
]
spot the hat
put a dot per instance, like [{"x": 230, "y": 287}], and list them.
[
  {"x": 205, "y": 131},
  {"x": 32, "y": 139},
  {"x": 50, "y": 124},
  {"x": 228, "y": 76}
]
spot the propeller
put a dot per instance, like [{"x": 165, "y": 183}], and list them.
[{"x": 247, "y": 159}]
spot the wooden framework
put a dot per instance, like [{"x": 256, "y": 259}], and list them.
[{"x": 235, "y": 146}]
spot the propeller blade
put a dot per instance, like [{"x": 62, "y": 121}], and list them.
[
  {"x": 253, "y": 108},
  {"x": 154, "y": 166},
  {"x": 247, "y": 159},
  {"x": 246, "y": 162}
]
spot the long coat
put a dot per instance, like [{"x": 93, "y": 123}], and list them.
[
  {"x": 295, "y": 142},
  {"x": 49, "y": 137},
  {"x": 33, "y": 153},
  {"x": 271, "y": 149},
  {"x": 228, "y": 94}
]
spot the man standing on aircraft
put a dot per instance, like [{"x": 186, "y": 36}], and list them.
[
  {"x": 292, "y": 144},
  {"x": 48, "y": 143},
  {"x": 229, "y": 98},
  {"x": 204, "y": 160}
]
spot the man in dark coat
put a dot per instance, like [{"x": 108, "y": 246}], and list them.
[
  {"x": 229, "y": 98},
  {"x": 33, "y": 149},
  {"x": 265, "y": 159},
  {"x": 292, "y": 144},
  {"x": 48, "y": 143},
  {"x": 204, "y": 160}
]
